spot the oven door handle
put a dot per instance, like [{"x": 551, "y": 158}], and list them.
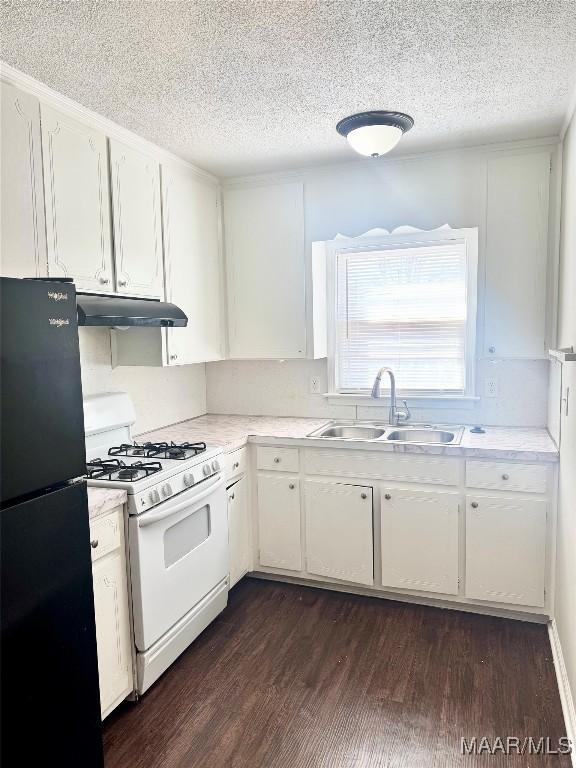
[{"x": 154, "y": 517}]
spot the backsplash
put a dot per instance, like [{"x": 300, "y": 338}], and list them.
[
  {"x": 282, "y": 389},
  {"x": 161, "y": 395}
]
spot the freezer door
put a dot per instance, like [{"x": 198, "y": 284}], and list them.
[
  {"x": 42, "y": 423},
  {"x": 49, "y": 672}
]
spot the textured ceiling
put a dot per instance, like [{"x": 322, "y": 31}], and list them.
[{"x": 241, "y": 87}]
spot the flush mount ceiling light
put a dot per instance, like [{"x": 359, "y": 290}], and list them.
[{"x": 374, "y": 133}]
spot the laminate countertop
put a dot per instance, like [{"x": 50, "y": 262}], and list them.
[
  {"x": 102, "y": 500},
  {"x": 233, "y": 431}
]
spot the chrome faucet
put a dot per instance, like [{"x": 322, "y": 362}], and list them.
[{"x": 396, "y": 415}]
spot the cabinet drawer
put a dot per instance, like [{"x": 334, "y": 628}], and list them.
[
  {"x": 235, "y": 463},
  {"x": 106, "y": 533},
  {"x": 435, "y": 470},
  {"x": 505, "y": 476},
  {"x": 280, "y": 459}
]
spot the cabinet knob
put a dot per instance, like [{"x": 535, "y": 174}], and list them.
[
  {"x": 387, "y": 496},
  {"x": 474, "y": 505},
  {"x": 276, "y": 460},
  {"x": 492, "y": 350},
  {"x": 505, "y": 476},
  {"x": 363, "y": 496},
  {"x": 104, "y": 280},
  {"x": 122, "y": 283},
  {"x": 291, "y": 486},
  {"x": 94, "y": 543}
]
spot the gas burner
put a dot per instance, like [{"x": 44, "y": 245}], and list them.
[
  {"x": 114, "y": 469},
  {"x": 176, "y": 451}
]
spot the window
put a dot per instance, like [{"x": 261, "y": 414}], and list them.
[{"x": 407, "y": 302}]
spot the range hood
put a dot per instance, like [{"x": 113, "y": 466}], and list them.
[{"x": 123, "y": 312}]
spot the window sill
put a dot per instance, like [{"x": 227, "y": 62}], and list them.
[{"x": 415, "y": 401}]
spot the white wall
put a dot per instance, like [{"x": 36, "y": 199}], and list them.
[
  {"x": 425, "y": 191},
  {"x": 566, "y": 535},
  {"x": 161, "y": 396}
]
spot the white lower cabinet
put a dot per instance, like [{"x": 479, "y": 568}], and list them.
[
  {"x": 506, "y": 549},
  {"x": 419, "y": 531},
  {"x": 111, "y": 610},
  {"x": 279, "y": 541},
  {"x": 239, "y": 538},
  {"x": 339, "y": 541}
]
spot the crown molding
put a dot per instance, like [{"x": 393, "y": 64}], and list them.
[
  {"x": 112, "y": 130},
  {"x": 570, "y": 114},
  {"x": 300, "y": 174}
]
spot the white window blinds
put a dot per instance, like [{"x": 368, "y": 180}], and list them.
[{"x": 404, "y": 307}]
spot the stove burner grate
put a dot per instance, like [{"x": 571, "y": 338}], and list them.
[
  {"x": 162, "y": 450},
  {"x": 114, "y": 469}
]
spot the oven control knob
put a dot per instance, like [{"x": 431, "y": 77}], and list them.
[
  {"x": 215, "y": 465},
  {"x": 166, "y": 490},
  {"x": 206, "y": 470},
  {"x": 154, "y": 497},
  {"x": 188, "y": 479}
]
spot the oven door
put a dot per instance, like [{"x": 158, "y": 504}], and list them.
[{"x": 178, "y": 553}]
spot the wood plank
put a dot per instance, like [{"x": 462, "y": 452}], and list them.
[{"x": 296, "y": 677}]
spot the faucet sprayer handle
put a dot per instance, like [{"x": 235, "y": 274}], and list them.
[{"x": 404, "y": 415}]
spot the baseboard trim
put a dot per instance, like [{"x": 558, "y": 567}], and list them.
[
  {"x": 566, "y": 696},
  {"x": 402, "y": 597}
]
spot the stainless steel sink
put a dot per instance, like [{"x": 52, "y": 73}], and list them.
[
  {"x": 421, "y": 436},
  {"x": 353, "y": 433},
  {"x": 380, "y": 432}
]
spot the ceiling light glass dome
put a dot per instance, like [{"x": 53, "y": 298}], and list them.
[{"x": 374, "y": 133}]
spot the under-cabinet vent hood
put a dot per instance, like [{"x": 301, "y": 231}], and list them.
[{"x": 122, "y": 312}]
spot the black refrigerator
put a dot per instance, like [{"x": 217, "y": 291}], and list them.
[{"x": 50, "y": 703}]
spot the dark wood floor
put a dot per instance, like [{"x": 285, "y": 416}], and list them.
[{"x": 295, "y": 677}]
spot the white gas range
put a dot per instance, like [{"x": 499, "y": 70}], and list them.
[{"x": 177, "y": 530}]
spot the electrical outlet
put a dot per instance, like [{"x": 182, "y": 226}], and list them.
[
  {"x": 491, "y": 386},
  {"x": 315, "y": 385}
]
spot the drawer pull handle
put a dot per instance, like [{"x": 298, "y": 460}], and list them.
[
  {"x": 235, "y": 465},
  {"x": 474, "y": 505},
  {"x": 291, "y": 486},
  {"x": 387, "y": 496},
  {"x": 94, "y": 543},
  {"x": 505, "y": 476},
  {"x": 276, "y": 460},
  {"x": 363, "y": 496}
]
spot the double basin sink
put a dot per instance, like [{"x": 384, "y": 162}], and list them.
[{"x": 381, "y": 432}]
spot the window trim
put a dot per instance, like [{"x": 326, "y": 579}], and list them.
[{"x": 377, "y": 239}]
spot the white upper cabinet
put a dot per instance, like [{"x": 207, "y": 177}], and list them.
[
  {"x": 515, "y": 322},
  {"x": 265, "y": 264},
  {"x": 136, "y": 216},
  {"x": 193, "y": 266},
  {"x": 23, "y": 232},
  {"x": 77, "y": 202}
]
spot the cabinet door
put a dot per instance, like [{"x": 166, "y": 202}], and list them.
[
  {"x": 23, "y": 233},
  {"x": 419, "y": 531},
  {"x": 266, "y": 271},
  {"x": 239, "y": 531},
  {"x": 339, "y": 541},
  {"x": 517, "y": 255},
  {"x": 77, "y": 202},
  {"x": 112, "y": 629},
  {"x": 505, "y": 549},
  {"x": 279, "y": 522},
  {"x": 137, "y": 223},
  {"x": 193, "y": 266}
]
